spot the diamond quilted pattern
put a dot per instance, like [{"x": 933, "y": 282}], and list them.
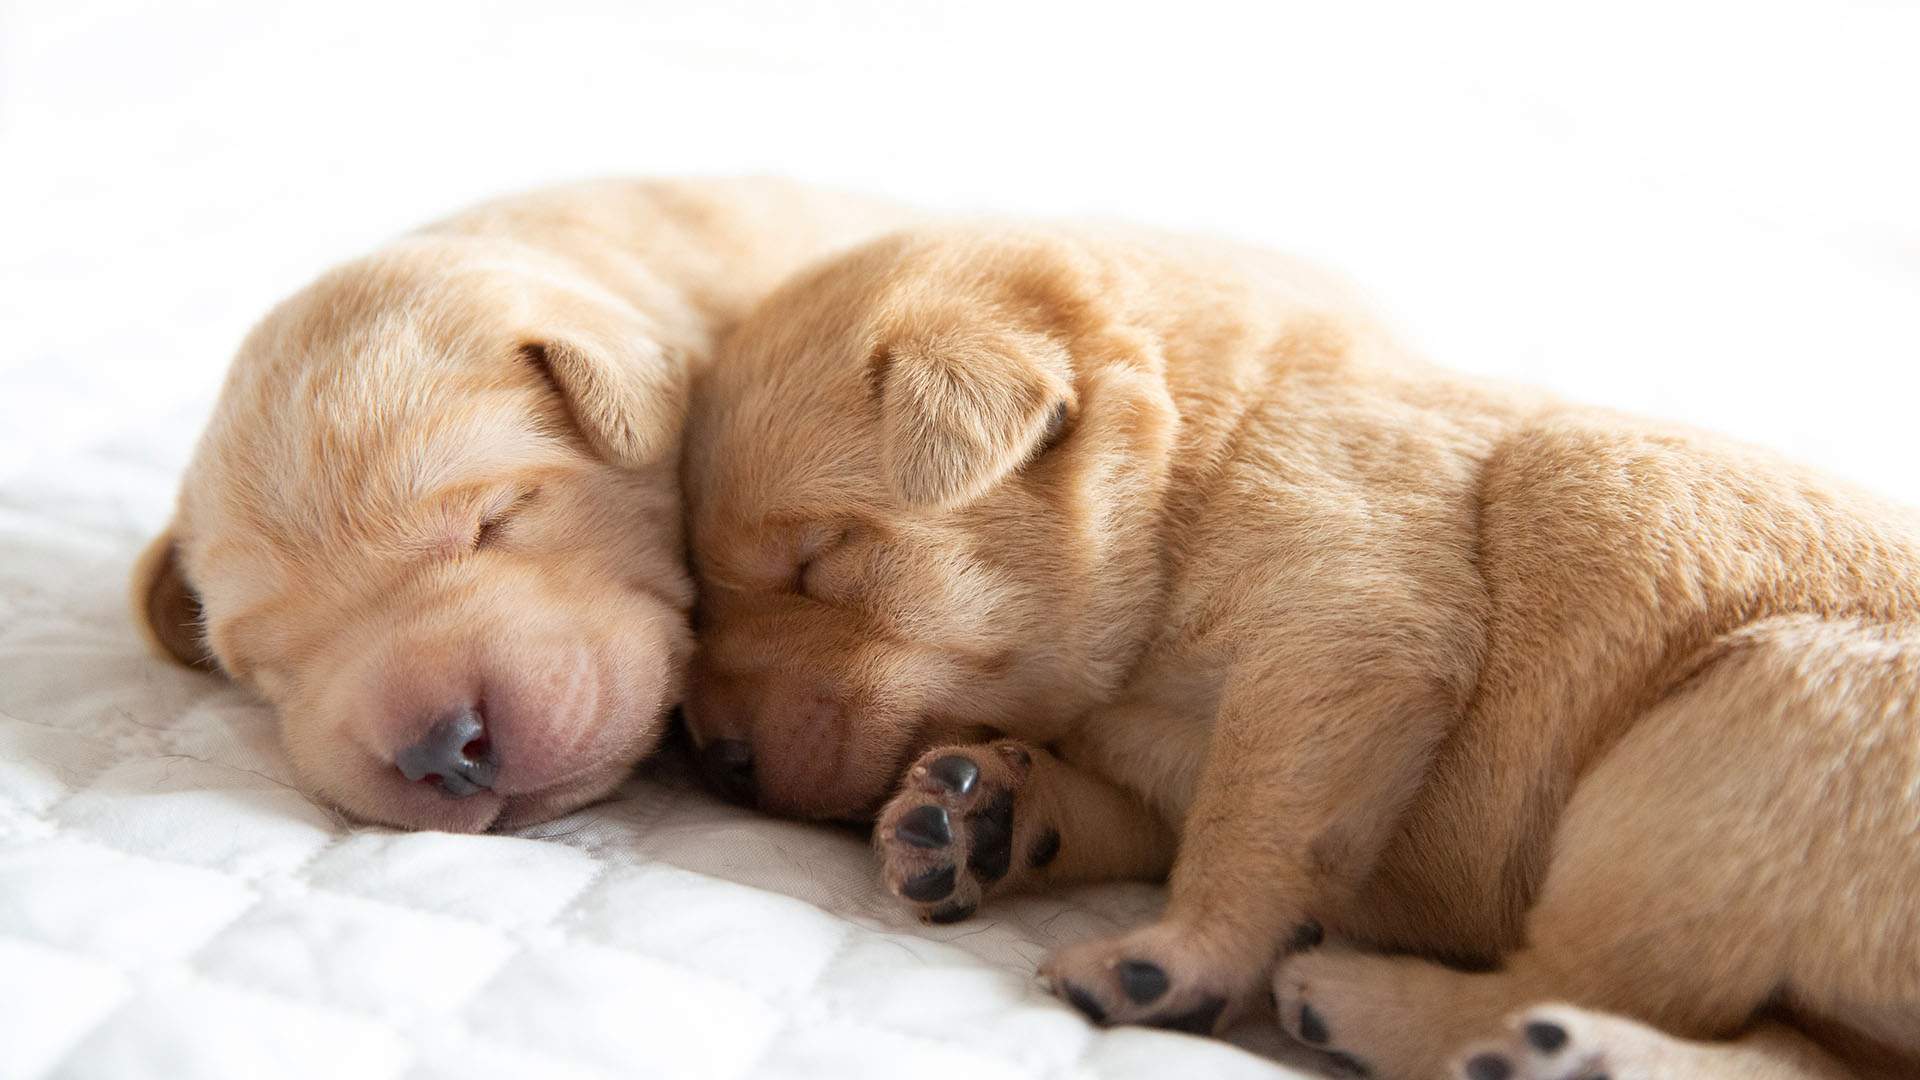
[
  {"x": 616, "y": 1009},
  {"x": 189, "y": 811},
  {"x": 69, "y": 992},
  {"x": 502, "y": 881},
  {"x": 163, "y": 1031},
  {"x": 356, "y": 955},
  {"x": 112, "y": 906}
]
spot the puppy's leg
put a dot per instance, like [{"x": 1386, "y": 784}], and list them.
[
  {"x": 1299, "y": 791},
  {"x": 1397, "y": 1016},
  {"x": 970, "y": 821},
  {"x": 1749, "y": 841}
]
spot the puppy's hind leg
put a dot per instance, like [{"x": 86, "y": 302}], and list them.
[
  {"x": 1750, "y": 842},
  {"x": 970, "y": 821},
  {"x": 1560, "y": 1042}
]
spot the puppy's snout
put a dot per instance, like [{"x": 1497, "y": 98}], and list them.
[
  {"x": 456, "y": 756},
  {"x": 728, "y": 766}
]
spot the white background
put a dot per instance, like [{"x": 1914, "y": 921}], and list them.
[{"x": 1709, "y": 212}]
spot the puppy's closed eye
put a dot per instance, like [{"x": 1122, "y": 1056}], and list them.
[
  {"x": 813, "y": 544},
  {"x": 493, "y": 524}
]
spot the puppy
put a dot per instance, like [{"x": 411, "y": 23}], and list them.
[
  {"x": 1529, "y": 702},
  {"x": 435, "y": 518}
]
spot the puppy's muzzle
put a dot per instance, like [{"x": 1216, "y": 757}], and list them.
[{"x": 456, "y": 756}]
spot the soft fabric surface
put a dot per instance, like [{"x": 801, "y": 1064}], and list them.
[{"x": 1656, "y": 210}]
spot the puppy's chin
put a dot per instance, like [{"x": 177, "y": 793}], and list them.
[{"x": 525, "y": 810}]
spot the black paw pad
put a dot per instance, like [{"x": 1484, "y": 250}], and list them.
[
  {"x": 955, "y": 773},
  {"x": 951, "y": 913},
  {"x": 990, "y": 831},
  {"x": 1313, "y": 1029},
  {"x": 1045, "y": 849},
  {"x": 1489, "y": 1067},
  {"x": 1544, "y": 1036},
  {"x": 1143, "y": 982},
  {"x": 929, "y": 886},
  {"x": 1088, "y": 1005},
  {"x": 1308, "y": 935},
  {"x": 1198, "y": 1020},
  {"x": 925, "y": 827}
]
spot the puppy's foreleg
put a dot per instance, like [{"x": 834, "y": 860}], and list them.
[
  {"x": 972, "y": 821},
  {"x": 1301, "y": 787}
]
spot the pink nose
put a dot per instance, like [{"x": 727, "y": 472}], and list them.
[{"x": 456, "y": 756}]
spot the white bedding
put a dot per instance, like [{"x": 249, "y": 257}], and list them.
[{"x": 1673, "y": 221}]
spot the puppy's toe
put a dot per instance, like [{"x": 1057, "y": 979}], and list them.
[
  {"x": 1377, "y": 1015},
  {"x": 1559, "y": 1042},
  {"x": 1163, "y": 976}
]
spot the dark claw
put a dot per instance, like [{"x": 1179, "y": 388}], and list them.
[
  {"x": 930, "y": 886},
  {"x": 1198, "y": 1020},
  {"x": 1489, "y": 1067},
  {"x": 1308, "y": 935},
  {"x": 1545, "y": 1037},
  {"x": 1045, "y": 850},
  {"x": 951, "y": 913},
  {"x": 925, "y": 827},
  {"x": 1088, "y": 1005},
  {"x": 955, "y": 773},
  {"x": 990, "y": 831},
  {"x": 1313, "y": 1029},
  {"x": 1143, "y": 982}
]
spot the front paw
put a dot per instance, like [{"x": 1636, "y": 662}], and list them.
[
  {"x": 950, "y": 836},
  {"x": 1164, "y": 976}
]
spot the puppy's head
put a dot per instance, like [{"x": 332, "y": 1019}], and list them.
[
  {"x": 435, "y": 521},
  {"x": 920, "y": 484}
]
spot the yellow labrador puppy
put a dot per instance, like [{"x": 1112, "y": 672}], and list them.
[
  {"x": 436, "y": 516},
  {"x": 1517, "y": 702}
]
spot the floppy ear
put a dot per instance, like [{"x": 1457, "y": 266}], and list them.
[
  {"x": 957, "y": 415},
  {"x": 166, "y": 608},
  {"x": 627, "y": 394}
]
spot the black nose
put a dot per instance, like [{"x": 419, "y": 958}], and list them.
[
  {"x": 728, "y": 765},
  {"x": 456, "y": 755}
]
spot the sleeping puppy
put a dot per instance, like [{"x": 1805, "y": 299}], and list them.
[
  {"x": 1141, "y": 557},
  {"x": 435, "y": 519}
]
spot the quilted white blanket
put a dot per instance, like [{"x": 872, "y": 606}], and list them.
[{"x": 170, "y": 907}]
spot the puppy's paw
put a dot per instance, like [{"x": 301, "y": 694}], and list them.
[
  {"x": 1164, "y": 975},
  {"x": 1559, "y": 1042},
  {"x": 1375, "y": 1015},
  {"x": 949, "y": 837}
]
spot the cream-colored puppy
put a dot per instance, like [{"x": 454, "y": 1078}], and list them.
[
  {"x": 1517, "y": 702},
  {"x": 435, "y": 518}
]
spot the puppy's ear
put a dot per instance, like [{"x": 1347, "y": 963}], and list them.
[
  {"x": 959, "y": 414},
  {"x": 626, "y": 393},
  {"x": 166, "y": 607}
]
